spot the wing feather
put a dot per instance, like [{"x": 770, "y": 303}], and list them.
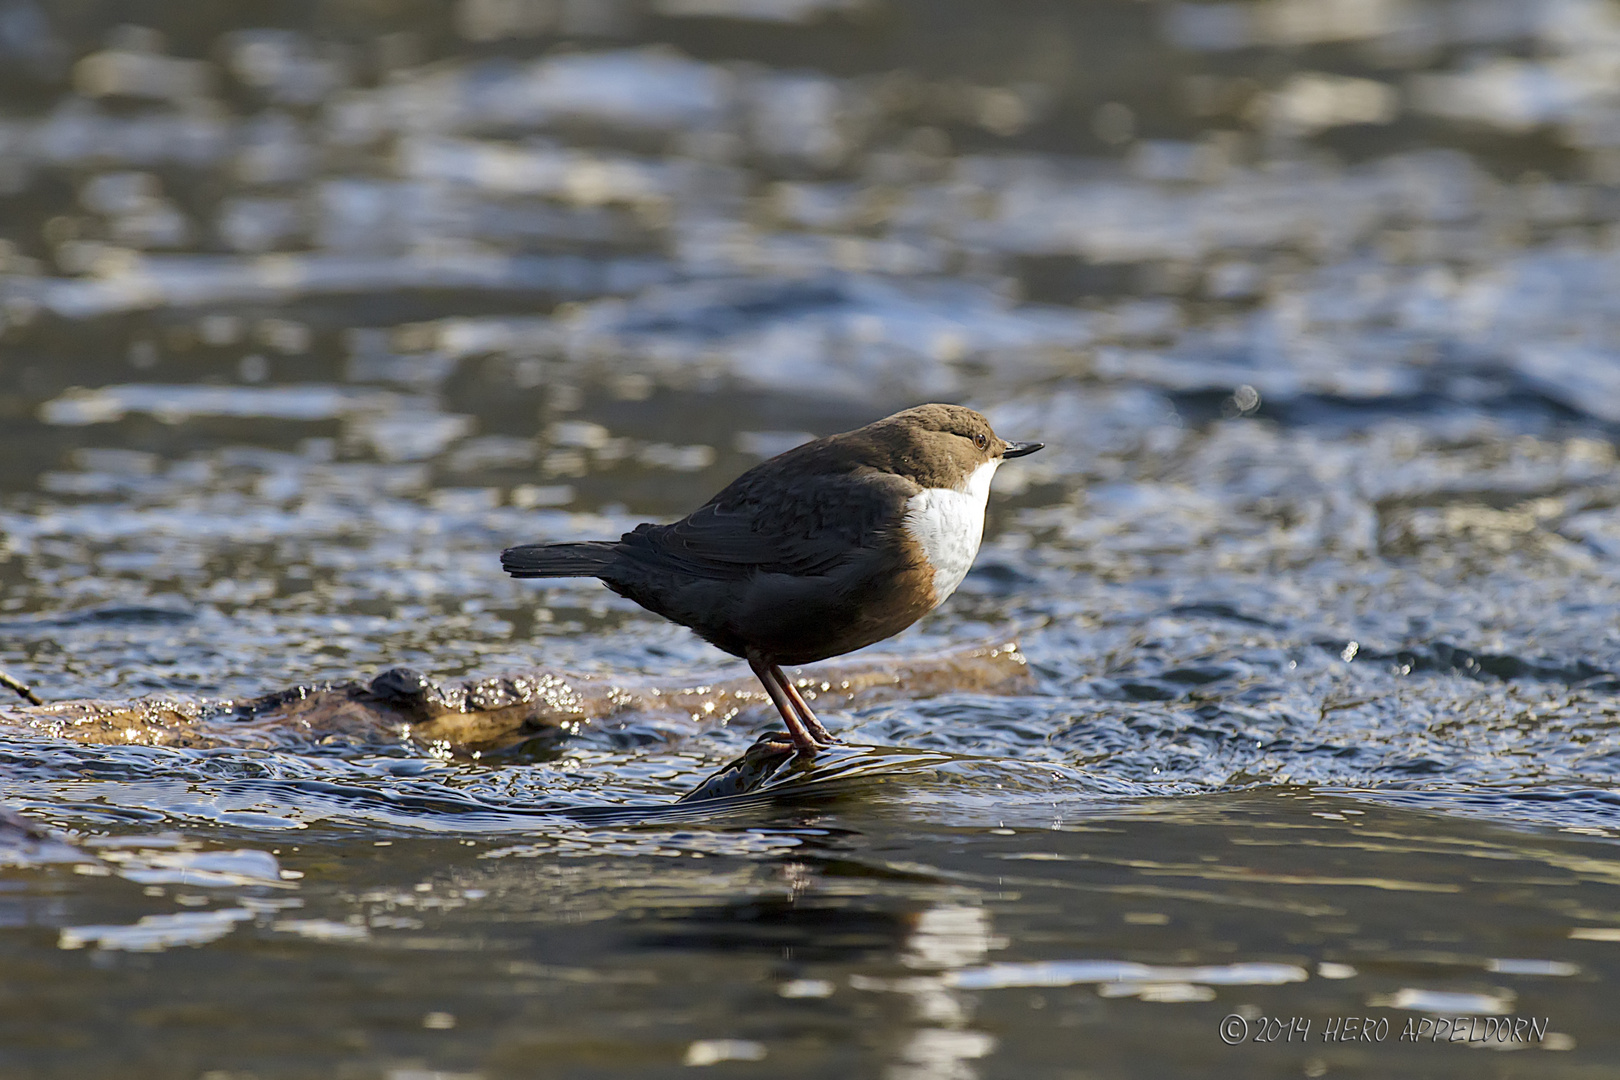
[{"x": 760, "y": 525}]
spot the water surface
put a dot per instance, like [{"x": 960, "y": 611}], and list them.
[{"x": 308, "y": 310}]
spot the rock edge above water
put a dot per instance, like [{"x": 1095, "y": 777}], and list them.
[{"x": 489, "y": 715}]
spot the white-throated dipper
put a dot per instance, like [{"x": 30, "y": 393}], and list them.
[{"x": 834, "y": 545}]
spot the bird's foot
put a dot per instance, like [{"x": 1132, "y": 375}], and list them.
[
  {"x": 786, "y": 742},
  {"x": 774, "y": 742}
]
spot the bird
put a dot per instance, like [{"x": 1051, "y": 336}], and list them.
[{"x": 827, "y": 548}]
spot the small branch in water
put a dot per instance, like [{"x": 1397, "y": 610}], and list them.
[{"x": 21, "y": 688}]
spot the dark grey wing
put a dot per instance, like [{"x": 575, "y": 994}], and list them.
[{"x": 803, "y": 528}]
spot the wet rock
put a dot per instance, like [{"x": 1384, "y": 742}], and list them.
[
  {"x": 487, "y": 715},
  {"x": 763, "y": 760}
]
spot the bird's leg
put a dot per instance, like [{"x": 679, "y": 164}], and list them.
[
  {"x": 769, "y": 676},
  {"x": 823, "y": 737}
]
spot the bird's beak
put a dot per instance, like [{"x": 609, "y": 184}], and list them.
[{"x": 1019, "y": 449}]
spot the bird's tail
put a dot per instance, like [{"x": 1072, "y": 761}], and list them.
[{"x": 585, "y": 558}]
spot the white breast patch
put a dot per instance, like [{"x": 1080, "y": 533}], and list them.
[{"x": 948, "y": 525}]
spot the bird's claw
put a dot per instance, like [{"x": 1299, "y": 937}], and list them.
[{"x": 784, "y": 741}]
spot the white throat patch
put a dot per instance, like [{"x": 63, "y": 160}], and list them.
[{"x": 948, "y": 525}]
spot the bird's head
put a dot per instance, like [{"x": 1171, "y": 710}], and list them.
[{"x": 945, "y": 446}]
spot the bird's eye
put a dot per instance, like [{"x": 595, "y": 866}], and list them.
[{"x": 981, "y": 440}]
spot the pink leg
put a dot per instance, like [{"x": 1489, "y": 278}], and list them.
[
  {"x": 779, "y": 691},
  {"x": 822, "y": 736}
]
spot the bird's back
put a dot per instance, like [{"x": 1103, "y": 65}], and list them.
[{"x": 798, "y": 563}]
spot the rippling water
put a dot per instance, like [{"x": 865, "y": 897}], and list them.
[{"x": 308, "y": 310}]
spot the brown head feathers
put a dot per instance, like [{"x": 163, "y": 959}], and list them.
[{"x": 935, "y": 446}]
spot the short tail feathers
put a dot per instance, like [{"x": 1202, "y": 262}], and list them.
[{"x": 584, "y": 559}]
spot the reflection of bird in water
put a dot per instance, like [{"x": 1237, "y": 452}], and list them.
[{"x": 819, "y": 551}]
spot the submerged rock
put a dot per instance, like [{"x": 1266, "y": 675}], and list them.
[{"x": 24, "y": 842}]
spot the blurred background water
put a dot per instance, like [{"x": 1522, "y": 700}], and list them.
[{"x": 308, "y": 308}]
